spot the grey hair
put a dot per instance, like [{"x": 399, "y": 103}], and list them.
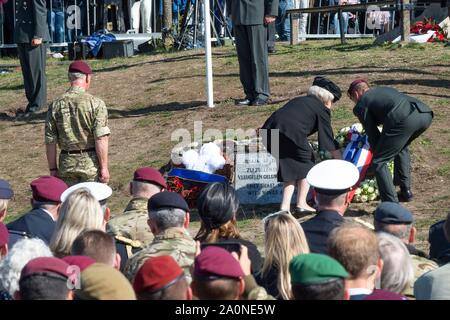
[
  {"x": 400, "y": 231},
  {"x": 322, "y": 94},
  {"x": 73, "y": 76},
  {"x": 21, "y": 253},
  {"x": 398, "y": 271},
  {"x": 165, "y": 218}
]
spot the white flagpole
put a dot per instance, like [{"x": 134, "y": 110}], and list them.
[{"x": 209, "y": 77}]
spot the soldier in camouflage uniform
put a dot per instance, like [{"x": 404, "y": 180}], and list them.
[
  {"x": 78, "y": 123},
  {"x": 132, "y": 223},
  {"x": 168, "y": 221},
  {"x": 393, "y": 218}
]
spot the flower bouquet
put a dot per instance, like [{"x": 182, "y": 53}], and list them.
[{"x": 429, "y": 30}]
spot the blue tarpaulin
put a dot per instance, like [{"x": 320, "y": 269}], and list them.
[{"x": 95, "y": 41}]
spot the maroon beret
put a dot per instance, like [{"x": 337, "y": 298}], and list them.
[
  {"x": 81, "y": 262},
  {"x": 215, "y": 262},
  {"x": 80, "y": 66},
  {"x": 157, "y": 273},
  {"x": 48, "y": 188},
  {"x": 44, "y": 265},
  {"x": 354, "y": 84},
  {"x": 150, "y": 175},
  {"x": 4, "y": 235}
]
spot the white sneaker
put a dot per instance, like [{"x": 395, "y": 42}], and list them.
[{"x": 57, "y": 55}]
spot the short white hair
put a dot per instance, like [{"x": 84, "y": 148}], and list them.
[
  {"x": 398, "y": 271},
  {"x": 322, "y": 94},
  {"x": 21, "y": 253}
]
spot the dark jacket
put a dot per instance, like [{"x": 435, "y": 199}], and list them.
[
  {"x": 36, "y": 224},
  {"x": 253, "y": 253},
  {"x": 300, "y": 118},
  {"x": 31, "y": 21},
  {"x": 385, "y": 106},
  {"x": 439, "y": 245},
  {"x": 251, "y": 12},
  {"x": 318, "y": 229},
  {"x": 269, "y": 281}
]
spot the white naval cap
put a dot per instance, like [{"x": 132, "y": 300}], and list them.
[
  {"x": 333, "y": 176},
  {"x": 99, "y": 190}
]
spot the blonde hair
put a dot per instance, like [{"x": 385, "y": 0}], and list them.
[
  {"x": 322, "y": 94},
  {"x": 284, "y": 239},
  {"x": 3, "y": 204},
  {"x": 80, "y": 211}
]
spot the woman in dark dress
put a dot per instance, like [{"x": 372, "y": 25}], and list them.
[
  {"x": 296, "y": 120},
  {"x": 217, "y": 206}
]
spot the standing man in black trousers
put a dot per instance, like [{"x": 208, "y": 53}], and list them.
[
  {"x": 31, "y": 35},
  {"x": 250, "y": 19}
]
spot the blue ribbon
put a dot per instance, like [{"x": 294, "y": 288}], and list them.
[
  {"x": 354, "y": 148},
  {"x": 197, "y": 176}
]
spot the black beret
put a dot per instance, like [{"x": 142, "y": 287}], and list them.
[
  {"x": 392, "y": 213},
  {"x": 328, "y": 85},
  {"x": 167, "y": 199}
]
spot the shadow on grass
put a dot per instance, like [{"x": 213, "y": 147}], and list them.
[
  {"x": 434, "y": 83},
  {"x": 348, "y": 71},
  {"x": 171, "y": 106},
  {"x": 15, "y": 87},
  {"x": 194, "y": 56}
]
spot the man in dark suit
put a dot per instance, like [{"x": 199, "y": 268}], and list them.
[
  {"x": 331, "y": 180},
  {"x": 40, "y": 222},
  {"x": 250, "y": 19},
  {"x": 403, "y": 118},
  {"x": 31, "y": 35}
]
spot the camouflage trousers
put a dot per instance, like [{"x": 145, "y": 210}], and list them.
[{"x": 76, "y": 168}]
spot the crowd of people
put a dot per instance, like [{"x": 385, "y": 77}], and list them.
[
  {"x": 68, "y": 247},
  {"x": 71, "y": 246}
]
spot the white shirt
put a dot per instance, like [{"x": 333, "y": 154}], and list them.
[
  {"x": 358, "y": 291},
  {"x": 48, "y": 212}
]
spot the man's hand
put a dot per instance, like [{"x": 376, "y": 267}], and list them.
[
  {"x": 104, "y": 175},
  {"x": 269, "y": 19},
  {"x": 36, "y": 42}
]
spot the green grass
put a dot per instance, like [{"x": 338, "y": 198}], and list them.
[{"x": 444, "y": 171}]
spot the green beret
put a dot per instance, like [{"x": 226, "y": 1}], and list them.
[{"x": 314, "y": 268}]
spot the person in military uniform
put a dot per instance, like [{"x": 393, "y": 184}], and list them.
[
  {"x": 168, "y": 220},
  {"x": 161, "y": 278},
  {"x": 392, "y": 218},
  {"x": 221, "y": 275},
  {"x": 434, "y": 285},
  {"x": 40, "y": 222},
  {"x": 332, "y": 180},
  {"x": 250, "y": 19},
  {"x": 132, "y": 223},
  {"x": 403, "y": 118},
  {"x": 78, "y": 123},
  {"x": 317, "y": 277},
  {"x": 439, "y": 243},
  {"x": 125, "y": 247},
  {"x": 31, "y": 35}
]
